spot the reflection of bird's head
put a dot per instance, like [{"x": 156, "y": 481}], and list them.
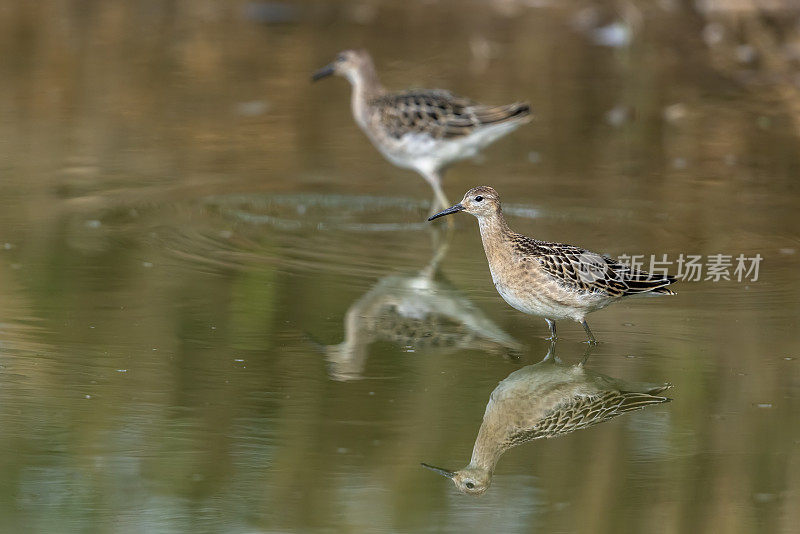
[
  {"x": 471, "y": 480},
  {"x": 349, "y": 64},
  {"x": 481, "y": 201}
]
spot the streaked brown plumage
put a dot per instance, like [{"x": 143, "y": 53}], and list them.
[
  {"x": 546, "y": 400},
  {"x": 602, "y": 274},
  {"x": 551, "y": 280},
  {"x": 419, "y": 311},
  {"x": 424, "y": 129},
  {"x": 438, "y": 113}
]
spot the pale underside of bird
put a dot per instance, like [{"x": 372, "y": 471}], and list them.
[
  {"x": 551, "y": 280},
  {"x": 425, "y": 130},
  {"x": 546, "y": 400}
]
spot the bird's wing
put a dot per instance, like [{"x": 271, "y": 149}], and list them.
[
  {"x": 582, "y": 270},
  {"x": 440, "y": 114},
  {"x": 583, "y": 411}
]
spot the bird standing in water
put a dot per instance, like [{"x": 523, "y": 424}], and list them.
[
  {"x": 422, "y": 129},
  {"x": 551, "y": 280}
]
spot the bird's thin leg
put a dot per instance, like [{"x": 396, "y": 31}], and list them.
[
  {"x": 586, "y": 354},
  {"x": 592, "y": 340},
  {"x": 552, "y": 324},
  {"x": 434, "y": 178},
  {"x": 440, "y": 239},
  {"x": 551, "y": 354}
]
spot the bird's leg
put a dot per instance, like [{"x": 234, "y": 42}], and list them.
[
  {"x": 440, "y": 243},
  {"x": 434, "y": 178},
  {"x": 552, "y": 324},
  {"x": 551, "y": 354},
  {"x": 440, "y": 239},
  {"x": 591, "y": 340},
  {"x": 586, "y": 354}
]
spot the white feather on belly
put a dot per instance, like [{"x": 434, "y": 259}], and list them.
[
  {"x": 539, "y": 304},
  {"x": 420, "y": 151}
]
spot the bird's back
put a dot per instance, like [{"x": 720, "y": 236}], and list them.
[
  {"x": 549, "y": 399},
  {"x": 577, "y": 269},
  {"x": 440, "y": 114},
  {"x": 585, "y": 411}
]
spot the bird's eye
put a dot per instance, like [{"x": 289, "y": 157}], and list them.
[
  {"x": 470, "y": 485},
  {"x": 340, "y": 58},
  {"x": 478, "y": 198}
]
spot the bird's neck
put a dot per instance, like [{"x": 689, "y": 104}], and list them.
[
  {"x": 493, "y": 230},
  {"x": 348, "y": 357},
  {"x": 366, "y": 87},
  {"x": 489, "y": 447}
]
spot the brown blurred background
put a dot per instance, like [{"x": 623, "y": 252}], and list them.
[{"x": 185, "y": 219}]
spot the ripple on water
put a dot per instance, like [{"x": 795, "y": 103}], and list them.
[
  {"x": 357, "y": 235},
  {"x": 323, "y": 212},
  {"x": 348, "y": 234},
  {"x": 334, "y": 212}
]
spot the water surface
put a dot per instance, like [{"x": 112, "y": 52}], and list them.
[{"x": 222, "y": 311}]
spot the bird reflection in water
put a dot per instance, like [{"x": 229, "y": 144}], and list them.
[
  {"x": 546, "y": 400},
  {"x": 419, "y": 311}
]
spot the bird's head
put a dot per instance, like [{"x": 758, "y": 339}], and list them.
[
  {"x": 349, "y": 64},
  {"x": 470, "y": 481},
  {"x": 481, "y": 201}
]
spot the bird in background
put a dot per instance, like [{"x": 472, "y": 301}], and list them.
[
  {"x": 545, "y": 400},
  {"x": 421, "y": 129},
  {"x": 551, "y": 280}
]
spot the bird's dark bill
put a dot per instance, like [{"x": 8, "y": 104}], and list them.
[
  {"x": 325, "y": 71},
  {"x": 443, "y": 472},
  {"x": 448, "y": 211}
]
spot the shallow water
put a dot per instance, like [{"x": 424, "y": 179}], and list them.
[{"x": 222, "y": 310}]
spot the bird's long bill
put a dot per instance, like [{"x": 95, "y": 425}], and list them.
[
  {"x": 325, "y": 71},
  {"x": 448, "y": 211},
  {"x": 443, "y": 472}
]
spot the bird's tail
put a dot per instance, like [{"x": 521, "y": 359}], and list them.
[
  {"x": 517, "y": 112},
  {"x": 644, "y": 283},
  {"x": 637, "y": 400}
]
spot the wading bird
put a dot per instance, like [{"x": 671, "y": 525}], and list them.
[
  {"x": 422, "y": 129},
  {"x": 551, "y": 280}
]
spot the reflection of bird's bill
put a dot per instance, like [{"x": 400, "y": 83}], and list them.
[
  {"x": 324, "y": 72},
  {"x": 443, "y": 472},
  {"x": 448, "y": 211}
]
